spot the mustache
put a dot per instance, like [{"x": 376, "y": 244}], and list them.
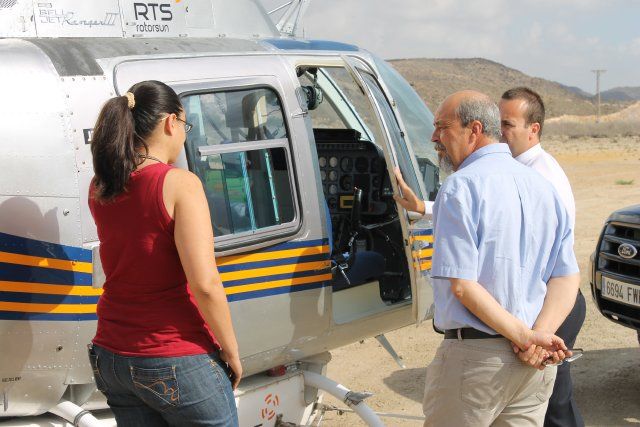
[{"x": 440, "y": 147}]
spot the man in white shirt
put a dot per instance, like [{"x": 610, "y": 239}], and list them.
[{"x": 522, "y": 118}]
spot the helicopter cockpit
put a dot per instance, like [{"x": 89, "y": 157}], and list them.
[{"x": 362, "y": 215}]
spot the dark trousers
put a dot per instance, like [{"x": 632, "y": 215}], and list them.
[{"x": 562, "y": 410}]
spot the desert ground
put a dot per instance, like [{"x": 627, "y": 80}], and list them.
[{"x": 605, "y": 175}]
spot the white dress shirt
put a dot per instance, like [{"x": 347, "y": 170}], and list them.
[
  {"x": 428, "y": 211},
  {"x": 544, "y": 163}
]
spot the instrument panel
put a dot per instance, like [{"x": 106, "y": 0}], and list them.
[{"x": 347, "y": 165}]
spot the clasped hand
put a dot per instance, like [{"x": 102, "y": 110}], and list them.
[{"x": 539, "y": 348}]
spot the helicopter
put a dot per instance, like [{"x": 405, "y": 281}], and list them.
[{"x": 295, "y": 142}]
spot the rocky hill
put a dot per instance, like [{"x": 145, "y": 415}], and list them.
[
  {"x": 434, "y": 79},
  {"x": 621, "y": 94},
  {"x": 581, "y": 93}
]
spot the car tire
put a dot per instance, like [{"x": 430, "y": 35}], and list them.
[{"x": 638, "y": 336}]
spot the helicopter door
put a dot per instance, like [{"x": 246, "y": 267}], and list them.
[
  {"x": 248, "y": 146},
  {"x": 419, "y": 244}
]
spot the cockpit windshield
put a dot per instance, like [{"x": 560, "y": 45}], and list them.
[
  {"x": 418, "y": 121},
  {"x": 344, "y": 105}
]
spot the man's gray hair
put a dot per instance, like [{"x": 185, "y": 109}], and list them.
[{"x": 483, "y": 110}]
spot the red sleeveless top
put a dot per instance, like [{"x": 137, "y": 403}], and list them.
[{"x": 146, "y": 308}]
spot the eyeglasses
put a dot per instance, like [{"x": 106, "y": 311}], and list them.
[
  {"x": 187, "y": 126},
  {"x": 577, "y": 354}
]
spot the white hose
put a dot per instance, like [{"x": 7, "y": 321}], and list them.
[
  {"x": 340, "y": 392},
  {"x": 74, "y": 414}
]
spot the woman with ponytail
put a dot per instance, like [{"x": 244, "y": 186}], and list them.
[{"x": 165, "y": 353}]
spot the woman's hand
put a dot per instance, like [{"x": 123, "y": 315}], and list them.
[{"x": 236, "y": 367}]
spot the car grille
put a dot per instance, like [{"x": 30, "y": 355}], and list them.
[{"x": 608, "y": 259}]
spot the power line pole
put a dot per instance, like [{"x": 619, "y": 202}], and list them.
[{"x": 598, "y": 72}]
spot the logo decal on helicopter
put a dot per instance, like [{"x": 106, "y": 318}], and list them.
[
  {"x": 144, "y": 12},
  {"x": 49, "y": 15},
  {"x": 272, "y": 402}
]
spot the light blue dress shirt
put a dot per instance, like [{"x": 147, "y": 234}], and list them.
[{"x": 503, "y": 225}]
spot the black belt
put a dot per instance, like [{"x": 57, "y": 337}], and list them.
[{"x": 467, "y": 334}]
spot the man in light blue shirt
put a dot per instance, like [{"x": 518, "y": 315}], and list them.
[
  {"x": 496, "y": 222},
  {"x": 503, "y": 265},
  {"x": 522, "y": 114}
]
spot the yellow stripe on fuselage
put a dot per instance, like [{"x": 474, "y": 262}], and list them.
[
  {"x": 27, "y": 307},
  {"x": 420, "y": 256},
  {"x": 267, "y": 256},
  {"x": 87, "y": 267},
  {"x": 277, "y": 284},
  {"x": 425, "y": 238},
  {"x": 425, "y": 265},
  {"x": 422, "y": 253},
  {"x": 280, "y": 269},
  {"x": 35, "y": 261},
  {"x": 42, "y": 288}
]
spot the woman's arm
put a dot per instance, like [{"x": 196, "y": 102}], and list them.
[{"x": 194, "y": 239}]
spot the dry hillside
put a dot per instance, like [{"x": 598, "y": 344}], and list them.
[
  {"x": 625, "y": 122},
  {"x": 434, "y": 79},
  {"x": 628, "y": 114}
]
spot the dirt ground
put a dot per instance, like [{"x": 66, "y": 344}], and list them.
[{"x": 606, "y": 379}]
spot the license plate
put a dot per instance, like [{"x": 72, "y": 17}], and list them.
[{"x": 622, "y": 292}]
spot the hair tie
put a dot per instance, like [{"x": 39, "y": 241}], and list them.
[{"x": 131, "y": 100}]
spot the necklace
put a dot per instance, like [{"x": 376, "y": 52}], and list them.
[{"x": 146, "y": 156}]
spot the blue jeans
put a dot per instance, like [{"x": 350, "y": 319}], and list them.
[{"x": 165, "y": 391}]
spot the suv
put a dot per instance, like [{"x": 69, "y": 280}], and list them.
[{"x": 615, "y": 268}]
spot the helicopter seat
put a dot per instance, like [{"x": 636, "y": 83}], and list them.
[{"x": 366, "y": 266}]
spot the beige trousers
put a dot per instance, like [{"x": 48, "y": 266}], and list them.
[{"x": 481, "y": 382}]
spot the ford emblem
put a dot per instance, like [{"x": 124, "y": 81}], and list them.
[{"x": 627, "y": 251}]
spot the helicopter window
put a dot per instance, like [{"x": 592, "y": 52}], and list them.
[
  {"x": 344, "y": 105},
  {"x": 239, "y": 149},
  {"x": 235, "y": 116},
  {"x": 247, "y": 190},
  {"x": 403, "y": 156},
  {"x": 324, "y": 115},
  {"x": 418, "y": 122}
]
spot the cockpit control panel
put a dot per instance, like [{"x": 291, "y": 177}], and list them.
[{"x": 347, "y": 162}]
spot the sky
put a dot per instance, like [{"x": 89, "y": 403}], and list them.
[{"x": 559, "y": 40}]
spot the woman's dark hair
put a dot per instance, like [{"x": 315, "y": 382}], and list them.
[{"x": 122, "y": 130}]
